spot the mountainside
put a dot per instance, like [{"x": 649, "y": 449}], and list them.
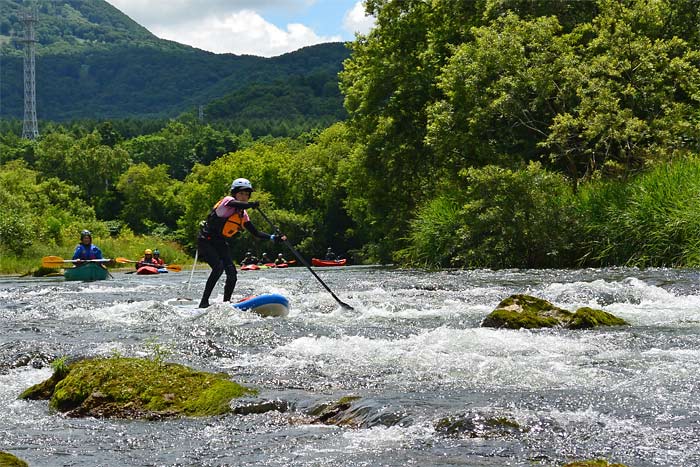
[{"x": 94, "y": 62}]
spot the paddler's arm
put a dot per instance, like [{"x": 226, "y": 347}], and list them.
[{"x": 262, "y": 235}]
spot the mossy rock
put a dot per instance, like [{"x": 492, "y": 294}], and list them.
[
  {"x": 593, "y": 463},
  {"x": 587, "y": 318},
  {"x": 524, "y": 311},
  {"x": 139, "y": 388},
  {"x": 354, "y": 412},
  {"x": 478, "y": 426},
  {"x": 8, "y": 460},
  {"x": 336, "y": 413}
]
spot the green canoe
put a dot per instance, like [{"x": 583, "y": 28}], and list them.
[{"x": 86, "y": 272}]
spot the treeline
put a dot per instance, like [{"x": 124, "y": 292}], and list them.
[
  {"x": 513, "y": 133},
  {"x": 505, "y": 134},
  {"x": 164, "y": 183}
]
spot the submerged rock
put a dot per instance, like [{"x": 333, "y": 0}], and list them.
[
  {"x": 258, "y": 407},
  {"x": 16, "y": 354},
  {"x": 593, "y": 463},
  {"x": 525, "y": 311},
  {"x": 8, "y": 460},
  {"x": 352, "y": 412},
  {"x": 136, "y": 389},
  {"x": 47, "y": 272},
  {"x": 478, "y": 426}
]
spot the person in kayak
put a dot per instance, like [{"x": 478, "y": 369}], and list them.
[
  {"x": 147, "y": 259},
  {"x": 226, "y": 219},
  {"x": 264, "y": 259},
  {"x": 280, "y": 260},
  {"x": 250, "y": 258},
  {"x": 330, "y": 256},
  {"x": 157, "y": 260},
  {"x": 86, "y": 250}
]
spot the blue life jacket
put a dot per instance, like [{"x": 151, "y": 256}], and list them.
[{"x": 85, "y": 253}]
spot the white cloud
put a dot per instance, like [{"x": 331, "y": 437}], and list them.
[
  {"x": 243, "y": 32},
  {"x": 356, "y": 20},
  {"x": 168, "y": 12}
]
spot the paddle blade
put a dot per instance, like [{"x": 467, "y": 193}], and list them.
[
  {"x": 52, "y": 262},
  {"x": 124, "y": 260},
  {"x": 174, "y": 267}
]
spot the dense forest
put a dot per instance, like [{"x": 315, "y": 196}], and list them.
[
  {"x": 495, "y": 133},
  {"x": 93, "y": 62}
]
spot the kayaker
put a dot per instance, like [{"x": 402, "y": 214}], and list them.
[
  {"x": 280, "y": 260},
  {"x": 157, "y": 259},
  {"x": 330, "y": 256},
  {"x": 227, "y": 218},
  {"x": 250, "y": 258},
  {"x": 264, "y": 259},
  {"x": 147, "y": 259},
  {"x": 86, "y": 250}
]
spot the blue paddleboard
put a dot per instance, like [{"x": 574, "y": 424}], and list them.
[{"x": 270, "y": 304}]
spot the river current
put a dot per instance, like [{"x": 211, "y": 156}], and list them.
[{"x": 412, "y": 350}]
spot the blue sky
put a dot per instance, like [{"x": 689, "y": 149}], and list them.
[{"x": 255, "y": 27}]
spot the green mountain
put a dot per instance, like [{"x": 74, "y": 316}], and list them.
[{"x": 94, "y": 62}]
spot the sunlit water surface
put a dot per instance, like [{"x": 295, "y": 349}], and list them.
[{"x": 412, "y": 349}]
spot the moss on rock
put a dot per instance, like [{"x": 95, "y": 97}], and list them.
[
  {"x": 525, "y": 311},
  {"x": 8, "y": 460},
  {"x": 586, "y": 318},
  {"x": 140, "y": 388},
  {"x": 592, "y": 463},
  {"x": 478, "y": 426}
]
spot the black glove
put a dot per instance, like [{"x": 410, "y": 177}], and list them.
[{"x": 254, "y": 204}]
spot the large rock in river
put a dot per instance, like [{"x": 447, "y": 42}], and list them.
[
  {"x": 136, "y": 388},
  {"x": 525, "y": 311},
  {"x": 8, "y": 460}
]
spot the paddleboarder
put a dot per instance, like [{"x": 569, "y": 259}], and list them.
[{"x": 226, "y": 219}]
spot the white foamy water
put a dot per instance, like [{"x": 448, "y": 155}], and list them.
[{"x": 412, "y": 348}]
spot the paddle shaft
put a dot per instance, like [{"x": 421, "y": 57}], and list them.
[
  {"x": 303, "y": 261},
  {"x": 194, "y": 264},
  {"x": 57, "y": 261}
]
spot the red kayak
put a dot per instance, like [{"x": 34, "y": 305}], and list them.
[
  {"x": 250, "y": 267},
  {"x": 324, "y": 262},
  {"x": 147, "y": 270}
]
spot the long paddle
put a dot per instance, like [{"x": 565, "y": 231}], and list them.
[
  {"x": 55, "y": 262},
  {"x": 170, "y": 267},
  {"x": 303, "y": 261}
]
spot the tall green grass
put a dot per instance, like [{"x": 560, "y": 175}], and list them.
[
  {"x": 651, "y": 220},
  {"x": 432, "y": 239},
  {"x": 500, "y": 218},
  {"x": 531, "y": 218}
]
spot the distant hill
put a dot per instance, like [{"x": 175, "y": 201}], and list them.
[{"x": 95, "y": 62}]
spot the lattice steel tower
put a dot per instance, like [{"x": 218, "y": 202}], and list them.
[{"x": 30, "y": 129}]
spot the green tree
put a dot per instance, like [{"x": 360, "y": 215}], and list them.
[
  {"x": 150, "y": 198},
  {"x": 318, "y": 190},
  {"x": 501, "y": 218},
  {"x": 38, "y": 212},
  {"x": 637, "y": 92},
  {"x": 386, "y": 95}
]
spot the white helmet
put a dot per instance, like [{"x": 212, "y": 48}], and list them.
[{"x": 241, "y": 184}]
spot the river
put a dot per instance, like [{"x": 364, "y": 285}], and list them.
[{"x": 412, "y": 349}]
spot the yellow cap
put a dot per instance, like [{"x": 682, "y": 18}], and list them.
[{"x": 148, "y": 252}]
